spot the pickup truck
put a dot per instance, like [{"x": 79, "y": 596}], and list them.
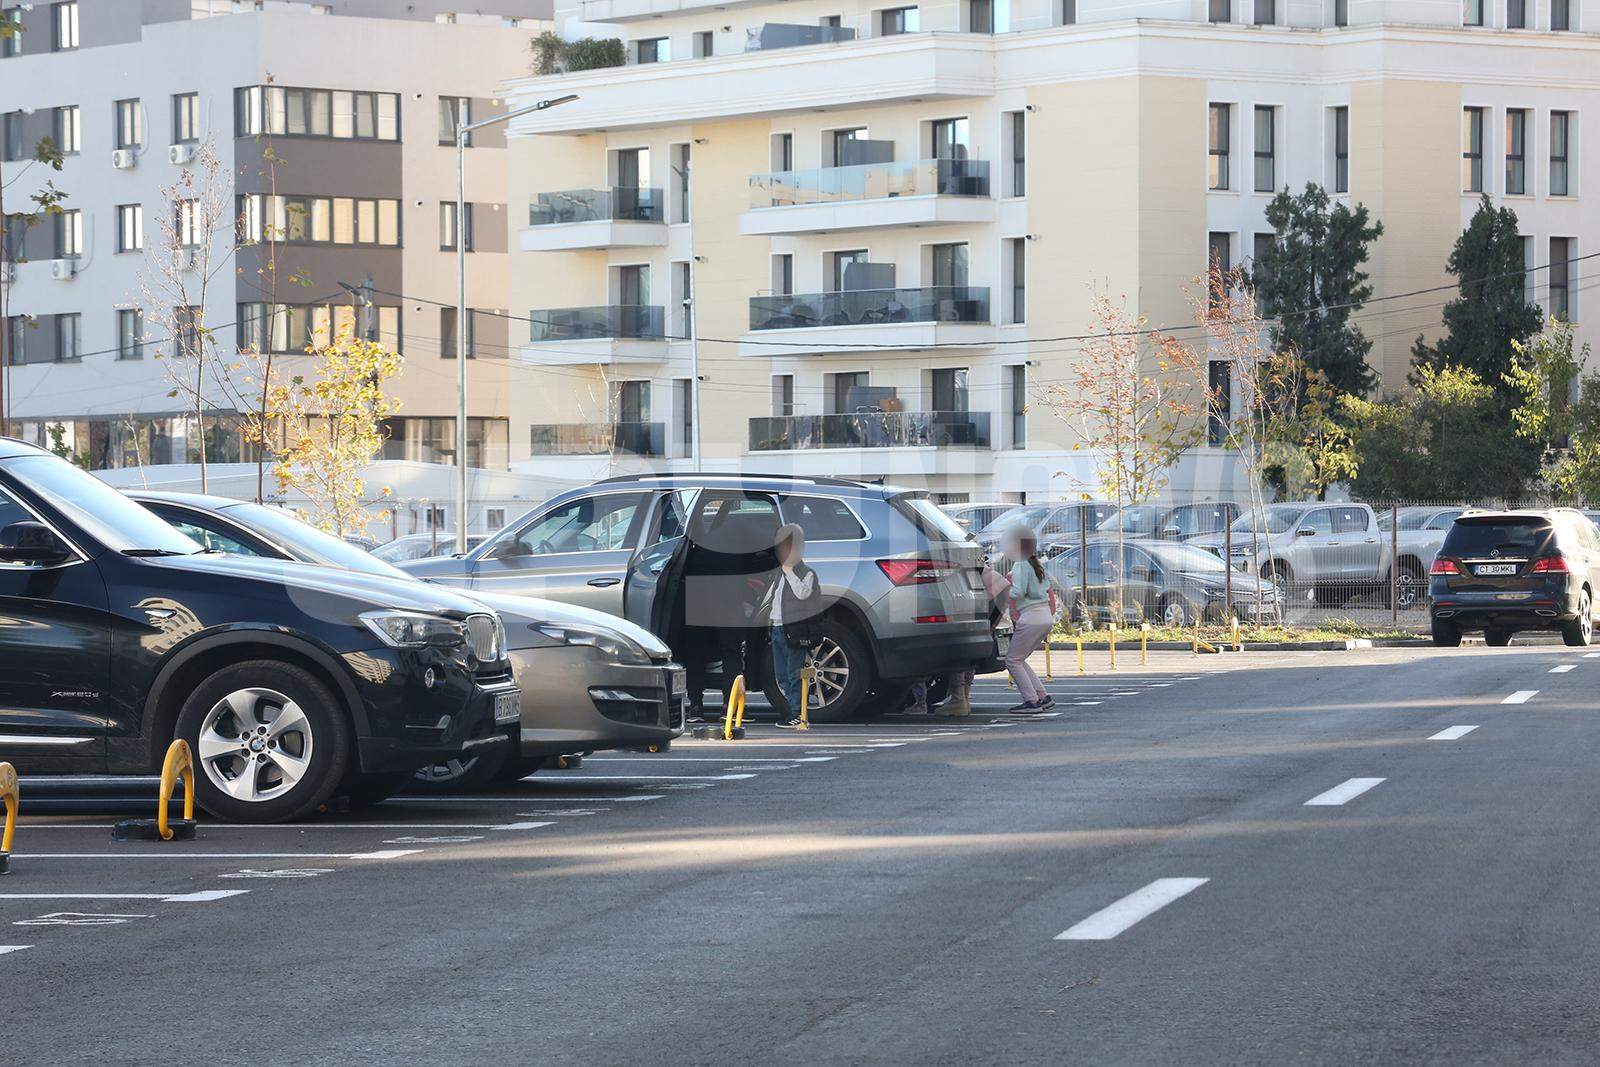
[
  {"x": 1421, "y": 532},
  {"x": 1316, "y": 552}
]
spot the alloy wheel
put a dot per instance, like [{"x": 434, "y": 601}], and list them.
[
  {"x": 1173, "y": 615},
  {"x": 831, "y": 667},
  {"x": 255, "y": 744},
  {"x": 1405, "y": 590}
]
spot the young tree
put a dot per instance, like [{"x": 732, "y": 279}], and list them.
[
  {"x": 1565, "y": 428},
  {"x": 1312, "y": 276},
  {"x": 335, "y": 429}
]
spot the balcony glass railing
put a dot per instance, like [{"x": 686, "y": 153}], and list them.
[
  {"x": 870, "y": 307},
  {"x": 871, "y": 429},
  {"x": 773, "y": 35},
  {"x": 599, "y": 439},
  {"x": 871, "y": 181},
  {"x": 596, "y": 205},
  {"x": 581, "y": 324}
]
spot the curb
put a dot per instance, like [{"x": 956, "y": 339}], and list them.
[{"x": 1347, "y": 645}]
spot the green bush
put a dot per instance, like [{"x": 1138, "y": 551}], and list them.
[{"x": 552, "y": 55}]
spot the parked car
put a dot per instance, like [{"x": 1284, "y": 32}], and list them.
[
  {"x": 1315, "y": 552},
  {"x": 1054, "y": 523},
  {"x": 671, "y": 551},
  {"x": 1504, "y": 571},
  {"x": 423, "y": 546},
  {"x": 588, "y": 681},
  {"x": 288, "y": 681},
  {"x": 974, "y": 517},
  {"x": 1164, "y": 522},
  {"x": 1420, "y": 532},
  {"x": 1156, "y": 581}
]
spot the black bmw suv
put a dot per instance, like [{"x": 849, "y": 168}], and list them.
[
  {"x": 1504, "y": 571},
  {"x": 289, "y": 681}
]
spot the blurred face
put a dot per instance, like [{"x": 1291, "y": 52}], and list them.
[{"x": 788, "y": 552}]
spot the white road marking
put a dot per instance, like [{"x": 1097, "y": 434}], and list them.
[
  {"x": 1591, "y": 655},
  {"x": 732, "y": 758},
  {"x": 204, "y": 896},
  {"x": 1113, "y": 919},
  {"x": 1521, "y": 696},
  {"x": 1564, "y": 668},
  {"x": 1454, "y": 733},
  {"x": 302, "y": 827},
  {"x": 1084, "y": 703},
  {"x": 388, "y": 854},
  {"x": 532, "y": 798},
  {"x": 1343, "y": 793},
  {"x": 564, "y": 777},
  {"x": 6, "y": 950}
]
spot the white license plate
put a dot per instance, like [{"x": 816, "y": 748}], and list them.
[
  {"x": 507, "y": 706},
  {"x": 1002, "y": 645},
  {"x": 1495, "y": 568},
  {"x": 680, "y": 683}
]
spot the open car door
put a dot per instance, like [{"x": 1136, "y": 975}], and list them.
[{"x": 654, "y": 580}]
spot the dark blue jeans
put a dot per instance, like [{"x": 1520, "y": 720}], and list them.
[{"x": 787, "y": 659}]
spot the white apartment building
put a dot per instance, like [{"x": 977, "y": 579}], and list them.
[
  {"x": 891, "y": 219},
  {"x": 357, "y": 100}
]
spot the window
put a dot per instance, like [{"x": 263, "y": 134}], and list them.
[
  {"x": 1528, "y": 295},
  {"x": 289, "y": 111},
  {"x": 187, "y": 223},
  {"x": 652, "y": 50},
  {"x": 319, "y": 220},
  {"x": 834, "y": 21},
  {"x": 1472, "y": 12},
  {"x": 1068, "y": 14},
  {"x": 1018, "y": 127},
  {"x": 1219, "y": 257},
  {"x": 947, "y": 389},
  {"x": 1472, "y": 149},
  {"x": 840, "y": 142},
  {"x": 1219, "y": 11},
  {"x": 186, "y": 118},
  {"x": 1261, "y": 248},
  {"x": 683, "y": 402},
  {"x": 1350, "y": 520},
  {"x": 1218, "y": 146},
  {"x": 296, "y": 327},
  {"x": 1341, "y": 150},
  {"x": 843, "y": 383},
  {"x": 455, "y": 112},
  {"x": 633, "y": 285},
  {"x": 1560, "y": 153},
  {"x": 1219, "y": 402},
  {"x": 69, "y": 234},
  {"x": 1516, "y": 151},
  {"x": 69, "y": 337},
  {"x": 949, "y": 264},
  {"x": 588, "y": 524},
  {"x": 130, "y": 333},
  {"x": 705, "y": 43},
  {"x": 1017, "y": 379},
  {"x": 11, "y": 43},
  {"x": 130, "y": 227},
  {"x": 1016, "y": 253},
  {"x": 1516, "y": 14},
  {"x": 1266, "y": 12},
  {"x": 822, "y": 518},
  {"x": 678, "y": 160},
  {"x": 1266, "y": 149},
  {"x": 782, "y": 395},
  {"x": 64, "y": 26},
  {"x": 1560, "y": 278},
  {"x": 989, "y": 16},
  {"x": 449, "y": 335},
  {"x": 783, "y": 274},
  {"x": 447, "y": 226},
  {"x": 897, "y": 20},
  {"x": 17, "y": 329},
  {"x": 1341, "y": 12},
  {"x": 841, "y": 263},
  {"x": 68, "y": 130},
  {"x": 15, "y": 137},
  {"x": 782, "y": 155},
  {"x": 130, "y": 124},
  {"x": 951, "y": 138},
  {"x": 682, "y": 300},
  {"x": 1560, "y": 15}
]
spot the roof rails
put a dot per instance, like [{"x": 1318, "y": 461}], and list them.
[{"x": 735, "y": 475}]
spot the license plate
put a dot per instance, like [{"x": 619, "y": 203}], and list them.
[
  {"x": 974, "y": 579},
  {"x": 507, "y": 706},
  {"x": 1495, "y": 568},
  {"x": 680, "y": 684},
  {"x": 1002, "y": 645}
]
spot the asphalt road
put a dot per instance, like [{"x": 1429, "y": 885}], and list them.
[{"x": 1140, "y": 879}]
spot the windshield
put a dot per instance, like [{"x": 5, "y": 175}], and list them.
[
  {"x": 102, "y": 512},
  {"x": 1278, "y": 519},
  {"x": 1131, "y": 520},
  {"x": 1187, "y": 558},
  {"x": 1498, "y": 536},
  {"x": 422, "y": 546},
  {"x": 308, "y": 542},
  {"x": 1409, "y": 520},
  {"x": 1033, "y": 515}
]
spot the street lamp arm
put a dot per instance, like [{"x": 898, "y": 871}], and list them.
[{"x": 540, "y": 105}]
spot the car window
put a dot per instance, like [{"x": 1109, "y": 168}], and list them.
[
  {"x": 1103, "y": 569},
  {"x": 1498, "y": 536},
  {"x": 206, "y": 533},
  {"x": 821, "y": 518},
  {"x": 735, "y": 523},
  {"x": 1320, "y": 521},
  {"x": 672, "y": 518},
  {"x": 104, "y": 513},
  {"x": 10, "y": 512},
  {"x": 587, "y": 524},
  {"x": 1444, "y": 519},
  {"x": 1138, "y": 559},
  {"x": 1349, "y": 520}
]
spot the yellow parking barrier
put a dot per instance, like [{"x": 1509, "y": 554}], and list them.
[
  {"x": 1113, "y": 646},
  {"x": 733, "y": 723},
  {"x": 179, "y": 761},
  {"x": 1233, "y": 625},
  {"x": 807, "y": 673},
  {"x": 1049, "y": 674},
  {"x": 1080, "y": 651},
  {"x": 1199, "y": 644},
  {"x": 1144, "y": 644},
  {"x": 12, "y": 795}
]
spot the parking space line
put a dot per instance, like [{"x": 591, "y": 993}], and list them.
[
  {"x": 695, "y": 759},
  {"x": 1454, "y": 733},
  {"x": 203, "y": 897},
  {"x": 1113, "y": 919},
  {"x": 1591, "y": 655},
  {"x": 300, "y": 827},
  {"x": 1521, "y": 696},
  {"x": 1343, "y": 793},
  {"x": 532, "y": 798},
  {"x": 1564, "y": 668},
  {"x": 562, "y": 776},
  {"x": 388, "y": 854},
  {"x": 6, "y": 950}
]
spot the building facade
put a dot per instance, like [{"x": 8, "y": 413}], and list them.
[
  {"x": 872, "y": 233},
  {"x": 332, "y": 129}
]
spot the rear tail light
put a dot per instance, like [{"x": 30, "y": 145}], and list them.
[
  {"x": 1444, "y": 566},
  {"x": 931, "y": 618},
  {"x": 1550, "y": 565},
  {"x": 915, "y": 571}
]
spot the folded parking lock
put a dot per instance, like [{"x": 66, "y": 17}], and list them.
[
  {"x": 732, "y": 728},
  {"x": 10, "y": 793},
  {"x": 179, "y": 761}
]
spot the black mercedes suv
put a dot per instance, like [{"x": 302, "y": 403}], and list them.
[
  {"x": 289, "y": 681},
  {"x": 1504, "y": 571}
]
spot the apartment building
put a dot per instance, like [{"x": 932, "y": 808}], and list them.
[
  {"x": 888, "y": 221},
  {"x": 334, "y": 129}
]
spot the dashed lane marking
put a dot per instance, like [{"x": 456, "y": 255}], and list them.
[
  {"x": 1343, "y": 793},
  {"x": 1454, "y": 733},
  {"x": 1521, "y": 696},
  {"x": 531, "y": 798},
  {"x": 1564, "y": 668},
  {"x": 202, "y": 897},
  {"x": 562, "y": 776},
  {"x": 731, "y": 758},
  {"x": 381, "y": 854},
  {"x": 6, "y": 950},
  {"x": 1113, "y": 919},
  {"x": 302, "y": 827}
]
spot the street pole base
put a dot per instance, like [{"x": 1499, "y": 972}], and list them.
[{"x": 150, "y": 830}]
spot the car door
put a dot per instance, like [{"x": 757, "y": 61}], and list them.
[
  {"x": 1316, "y": 547},
  {"x": 55, "y": 658},
  {"x": 575, "y": 551},
  {"x": 1142, "y": 584},
  {"x": 654, "y": 575},
  {"x": 1362, "y": 557}
]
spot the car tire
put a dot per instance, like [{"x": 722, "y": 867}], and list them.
[
  {"x": 1174, "y": 613},
  {"x": 514, "y": 770},
  {"x": 1497, "y": 638},
  {"x": 462, "y": 774},
  {"x": 845, "y": 679},
  {"x": 1410, "y": 586},
  {"x": 287, "y": 768},
  {"x": 1446, "y": 635},
  {"x": 365, "y": 790},
  {"x": 1579, "y": 633}
]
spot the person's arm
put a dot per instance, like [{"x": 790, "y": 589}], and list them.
[
  {"x": 801, "y": 587},
  {"x": 1020, "y": 573}
]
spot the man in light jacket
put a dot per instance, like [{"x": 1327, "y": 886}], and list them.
[{"x": 795, "y": 604}]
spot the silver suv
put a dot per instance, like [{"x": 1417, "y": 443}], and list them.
[
  {"x": 676, "y": 552},
  {"x": 1315, "y": 551}
]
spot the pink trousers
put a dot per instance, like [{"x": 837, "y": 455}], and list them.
[{"x": 1027, "y": 636}]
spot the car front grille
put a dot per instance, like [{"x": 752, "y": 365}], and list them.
[{"x": 483, "y": 638}]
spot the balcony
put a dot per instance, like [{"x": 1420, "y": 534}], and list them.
[
  {"x": 871, "y": 429},
  {"x": 595, "y": 336},
  {"x": 576, "y": 219},
  {"x": 775, "y": 35},
  {"x": 924, "y": 192},
  {"x": 591, "y": 439},
  {"x": 908, "y": 319}
]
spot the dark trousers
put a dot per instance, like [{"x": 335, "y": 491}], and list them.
[{"x": 705, "y": 646}]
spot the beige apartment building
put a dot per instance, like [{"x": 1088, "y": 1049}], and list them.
[{"x": 866, "y": 238}]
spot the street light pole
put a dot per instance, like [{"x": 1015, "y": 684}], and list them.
[{"x": 463, "y": 134}]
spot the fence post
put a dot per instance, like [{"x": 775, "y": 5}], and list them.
[
  {"x": 1227, "y": 573},
  {"x": 1394, "y": 566}
]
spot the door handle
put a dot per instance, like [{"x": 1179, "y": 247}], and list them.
[
  {"x": 603, "y": 583},
  {"x": 1333, "y": 544},
  {"x": 1372, "y": 540}
]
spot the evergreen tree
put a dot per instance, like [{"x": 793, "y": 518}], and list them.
[
  {"x": 1492, "y": 313},
  {"x": 1312, "y": 278}
]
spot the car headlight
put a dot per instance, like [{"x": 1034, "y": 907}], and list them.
[
  {"x": 613, "y": 645},
  {"x": 413, "y": 629}
]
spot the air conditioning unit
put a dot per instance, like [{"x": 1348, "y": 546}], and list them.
[
  {"x": 183, "y": 259},
  {"x": 180, "y": 154},
  {"x": 63, "y": 270},
  {"x": 123, "y": 158}
]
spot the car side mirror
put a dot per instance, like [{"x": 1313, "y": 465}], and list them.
[
  {"x": 1172, "y": 531},
  {"x": 1305, "y": 531},
  {"x": 512, "y": 549},
  {"x": 31, "y": 542}
]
